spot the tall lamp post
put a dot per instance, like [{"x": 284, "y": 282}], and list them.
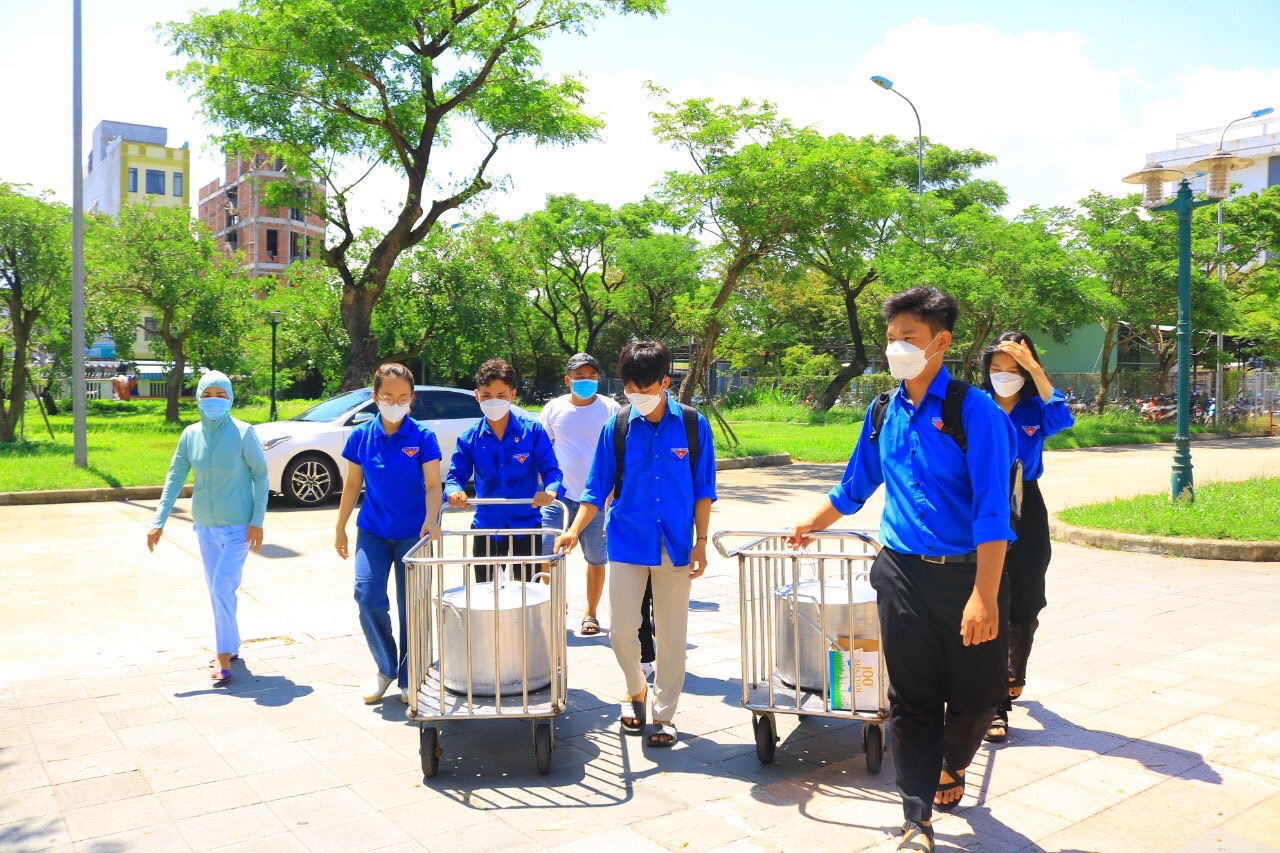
[
  {"x": 276, "y": 317},
  {"x": 1152, "y": 177},
  {"x": 886, "y": 83}
]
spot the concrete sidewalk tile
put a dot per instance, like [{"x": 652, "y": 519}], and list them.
[
  {"x": 181, "y": 749},
  {"x": 161, "y": 838},
  {"x": 47, "y": 713},
  {"x": 351, "y": 769},
  {"x": 246, "y": 737},
  {"x": 624, "y": 838},
  {"x": 55, "y": 749},
  {"x": 353, "y": 834},
  {"x": 208, "y": 797},
  {"x": 1161, "y": 759},
  {"x": 246, "y": 762},
  {"x": 291, "y": 781},
  {"x": 101, "y": 789},
  {"x": 1055, "y": 796},
  {"x": 19, "y": 735},
  {"x": 114, "y": 817},
  {"x": 146, "y": 697},
  {"x": 1207, "y": 734},
  {"x": 1261, "y": 823},
  {"x": 101, "y": 684},
  {"x": 46, "y": 699},
  {"x": 1110, "y": 774},
  {"x": 149, "y": 734},
  {"x": 445, "y": 814},
  {"x": 89, "y": 765},
  {"x": 127, "y": 718},
  {"x": 388, "y": 792},
  {"x": 183, "y": 774},
  {"x": 31, "y": 803},
  {"x": 317, "y": 807},
  {"x": 285, "y": 842},
  {"x": 42, "y": 833},
  {"x": 220, "y": 829},
  {"x": 691, "y": 829},
  {"x": 340, "y": 744},
  {"x": 494, "y": 835}
]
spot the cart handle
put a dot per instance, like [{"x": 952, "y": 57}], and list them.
[{"x": 761, "y": 535}]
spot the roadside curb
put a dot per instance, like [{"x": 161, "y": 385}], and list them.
[
  {"x": 753, "y": 462},
  {"x": 1172, "y": 546},
  {"x": 67, "y": 496}
]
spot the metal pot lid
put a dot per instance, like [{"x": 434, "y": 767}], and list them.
[
  {"x": 482, "y": 597},
  {"x": 836, "y": 592}
]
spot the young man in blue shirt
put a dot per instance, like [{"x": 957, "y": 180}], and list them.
[
  {"x": 510, "y": 456},
  {"x": 944, "y": 532},
  {"x": 656, "y": 528}
]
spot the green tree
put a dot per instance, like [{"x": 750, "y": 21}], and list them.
[
  {"x": 162, "y": 262},
  {"x": 328, "y": 83},
  {"x": 660, "y": 272},
  {"x": 35, "y": 286},
  {"x": 1251, "y": 241}
]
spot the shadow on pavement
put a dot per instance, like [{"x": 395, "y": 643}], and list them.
[{"x": 269, "y": 691}]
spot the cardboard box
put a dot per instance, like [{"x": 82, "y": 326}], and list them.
[{"x": 853, "y": 674}]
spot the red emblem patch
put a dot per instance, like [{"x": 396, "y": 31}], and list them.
[
  {"x": 410, "y": 452},
  {"x": 521, "y": 458},
  {"x": 680, "y": 452},
  {"x": 937, "y": 422},
  {"x": 1030, "y": 430}
]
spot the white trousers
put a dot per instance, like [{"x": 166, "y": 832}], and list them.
[{"x": 671, "y": 589}]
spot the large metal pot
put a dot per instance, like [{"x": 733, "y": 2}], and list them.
[
  {"x": 515, "y": 631},
  {"x": 800, "y": 610}
]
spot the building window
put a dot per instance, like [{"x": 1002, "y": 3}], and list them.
[
  {"x": 150, "y": 329},
  {"x": 1273, "y": 171},
  {"x": 155, "y": 182},
  {"x": 133, "y": 180},
  {"x": 296, "y": 214},
  {"x": 273, "y": 242},
  {"x": 279, "y": 164},
  {"x": 177, "y": 184},
  {"x": 296, "y": 248},
  {"x": 233, "y": 240}
]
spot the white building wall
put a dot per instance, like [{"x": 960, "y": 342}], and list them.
[{"x": 1258, "y": 139}]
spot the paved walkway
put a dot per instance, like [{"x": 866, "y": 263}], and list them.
[{"x": 1150, "y": 721}]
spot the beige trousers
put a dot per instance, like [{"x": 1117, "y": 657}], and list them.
[{"x": 671, "y": 589}]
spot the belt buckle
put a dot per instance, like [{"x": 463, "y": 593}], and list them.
[{"x": 937, "y": 561}]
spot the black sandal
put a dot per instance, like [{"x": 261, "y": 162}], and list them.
[
  {"x": 663, "y": 734},
  {"x": 1016, "y": 684},
  {"x": 957, "y": 781},
  {"x": 590, "y": 626},
  {"x": 997, "y": 723},
  {"x": 916, "y": 837},
  {"x": 637, "y": 711}
]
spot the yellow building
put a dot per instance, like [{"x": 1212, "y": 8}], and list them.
[{"x": 132, "y": 163}]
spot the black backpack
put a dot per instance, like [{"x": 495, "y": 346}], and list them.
[
  {"x": 953, "y": 425},
  {"x": 622, "y": 425}
]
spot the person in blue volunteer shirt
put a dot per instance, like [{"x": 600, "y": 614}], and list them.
[
  {"x": 228, "y": 504},
  {"x": 510, "y": 456},
  {"x": 1013, "y": 377},
  {"x": 656, "y": 529},
  {"x": 944, "y": 532},
  {"x": 396, "y": 460}
]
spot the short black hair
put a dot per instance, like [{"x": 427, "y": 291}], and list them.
[
  {"x": 399, "y": 371},
  {"x": 496, "y": 370},
  {"x": 1028, "y": 388},
  {"x": 643, "y": 363},
  {"x": 931, "y": 305}
]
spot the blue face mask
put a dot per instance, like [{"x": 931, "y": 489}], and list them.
[
  {"x": 214, "y": 408},
  {"x": 585, "y": 389}
]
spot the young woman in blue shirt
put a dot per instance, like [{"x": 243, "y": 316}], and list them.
[
  {"x": 396, "y": 460},
  {"x": 1012, "y": 375}
]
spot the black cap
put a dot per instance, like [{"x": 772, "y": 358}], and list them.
[{"x": 582, "y": 360}]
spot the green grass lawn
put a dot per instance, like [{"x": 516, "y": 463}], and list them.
[{"x": 1245, "y": 510}]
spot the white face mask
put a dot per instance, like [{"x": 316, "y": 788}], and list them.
[
  {"x": 906, "y": 360},
  {"x": 393, "y": 413},
  {"x": 495, "y": 410},
  {"x": 644, "y": 403},
  {"x": 1007, "y": 384}
]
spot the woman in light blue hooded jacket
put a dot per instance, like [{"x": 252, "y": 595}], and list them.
[{"x": 228, "y": 503}]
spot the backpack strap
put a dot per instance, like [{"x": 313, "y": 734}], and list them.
[
  {"x": 879, "y": 406},
  {"x": 622, "y": 425},
  {"x": 953, "y": 412}
]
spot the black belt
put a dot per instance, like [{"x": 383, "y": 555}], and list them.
[{"x": 954, "y": 559}]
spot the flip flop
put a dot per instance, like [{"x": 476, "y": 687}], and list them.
[
  {"x": 991, "y": 737},
  {"x": 956, "y": 782},
  {"x": 637, "y": 710},
  {"x": 213, "y": 662},
  {"x": 663, "y": 735},
  {"x": 916, "y": 838},
  {"x": 220, "y": 677},
  {"x": 590, "y": 626}
]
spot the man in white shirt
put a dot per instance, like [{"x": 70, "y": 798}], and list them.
[{"x": 574, "y": 422}]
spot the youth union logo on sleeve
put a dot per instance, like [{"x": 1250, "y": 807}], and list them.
[
  {"x": 680, "y": 452},
  {"x": 521, "y": 457},
  {"x": 937, "y": 423},
  {"x": 1031, "y": 430},
  {"x": 410, "y": 451}
]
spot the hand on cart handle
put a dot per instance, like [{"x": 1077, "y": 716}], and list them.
[
  {"x": 798, "y": 537},
  {"x": 566, "y": 542},
  {"x": 432, "y": 530},
  {"x": 458, "y": 499},
  {"x": 544, "y": 498}
]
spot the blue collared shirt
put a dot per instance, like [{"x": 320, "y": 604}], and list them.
[
  {"x": 1034, "y": 420},
  {"x": 659, "y": 489},
  {"x": 939, "y": 500},
  {"x": 506, "y": 468},
  {"x": 395, "y": 491}
]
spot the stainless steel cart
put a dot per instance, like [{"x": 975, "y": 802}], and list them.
[
  {"x": 484, "y": 650},
  {"x": 808, "y": 624}
]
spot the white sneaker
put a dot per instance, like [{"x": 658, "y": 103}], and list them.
[
  {"x": 376, "y": 688},
  {"x": 647, "y": 668},
  {"x": 404, "y": 695}
]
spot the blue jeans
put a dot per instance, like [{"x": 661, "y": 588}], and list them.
[
  {"x": 374, "y": 559},
  {"x": 591, "y": 540},
  {"x": 223, "y": 551}
]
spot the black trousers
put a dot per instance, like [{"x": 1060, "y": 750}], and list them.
[
  {"x": 507, "y": 546},
  {"x": 648, "y": 651},
  {"x": 1026, "y": 566},
  {"x": 942, "y": 693}
]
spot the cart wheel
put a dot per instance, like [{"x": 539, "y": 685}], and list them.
[
  {"x": 766, "y": 738},
  {"x": 873, "y": 742},
  {"x": 542, "y": 747},
  {"x": 429, "y": 749}
]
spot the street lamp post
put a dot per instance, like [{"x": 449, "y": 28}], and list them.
[
  {"x": 886, "y": 83},
  {"x": 276, "y": 317}
]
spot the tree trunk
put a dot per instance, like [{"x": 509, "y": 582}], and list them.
[
  {"x": 1105, "y": 373},
  {"x": 17, "y": 379},
  {"x": 357, "y": 318},
  {"x": 858, "y": 361},
  {"x": 177, "y": 378},
  {"x": 700, "y": 368}
]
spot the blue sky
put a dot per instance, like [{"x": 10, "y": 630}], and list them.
[{"x": 1067, "y": 96}]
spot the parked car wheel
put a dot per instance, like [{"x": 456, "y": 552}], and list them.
[{"x": 310, "y": 480}]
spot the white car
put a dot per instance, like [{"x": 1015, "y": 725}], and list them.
[{"x": 304, "y": 453}]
